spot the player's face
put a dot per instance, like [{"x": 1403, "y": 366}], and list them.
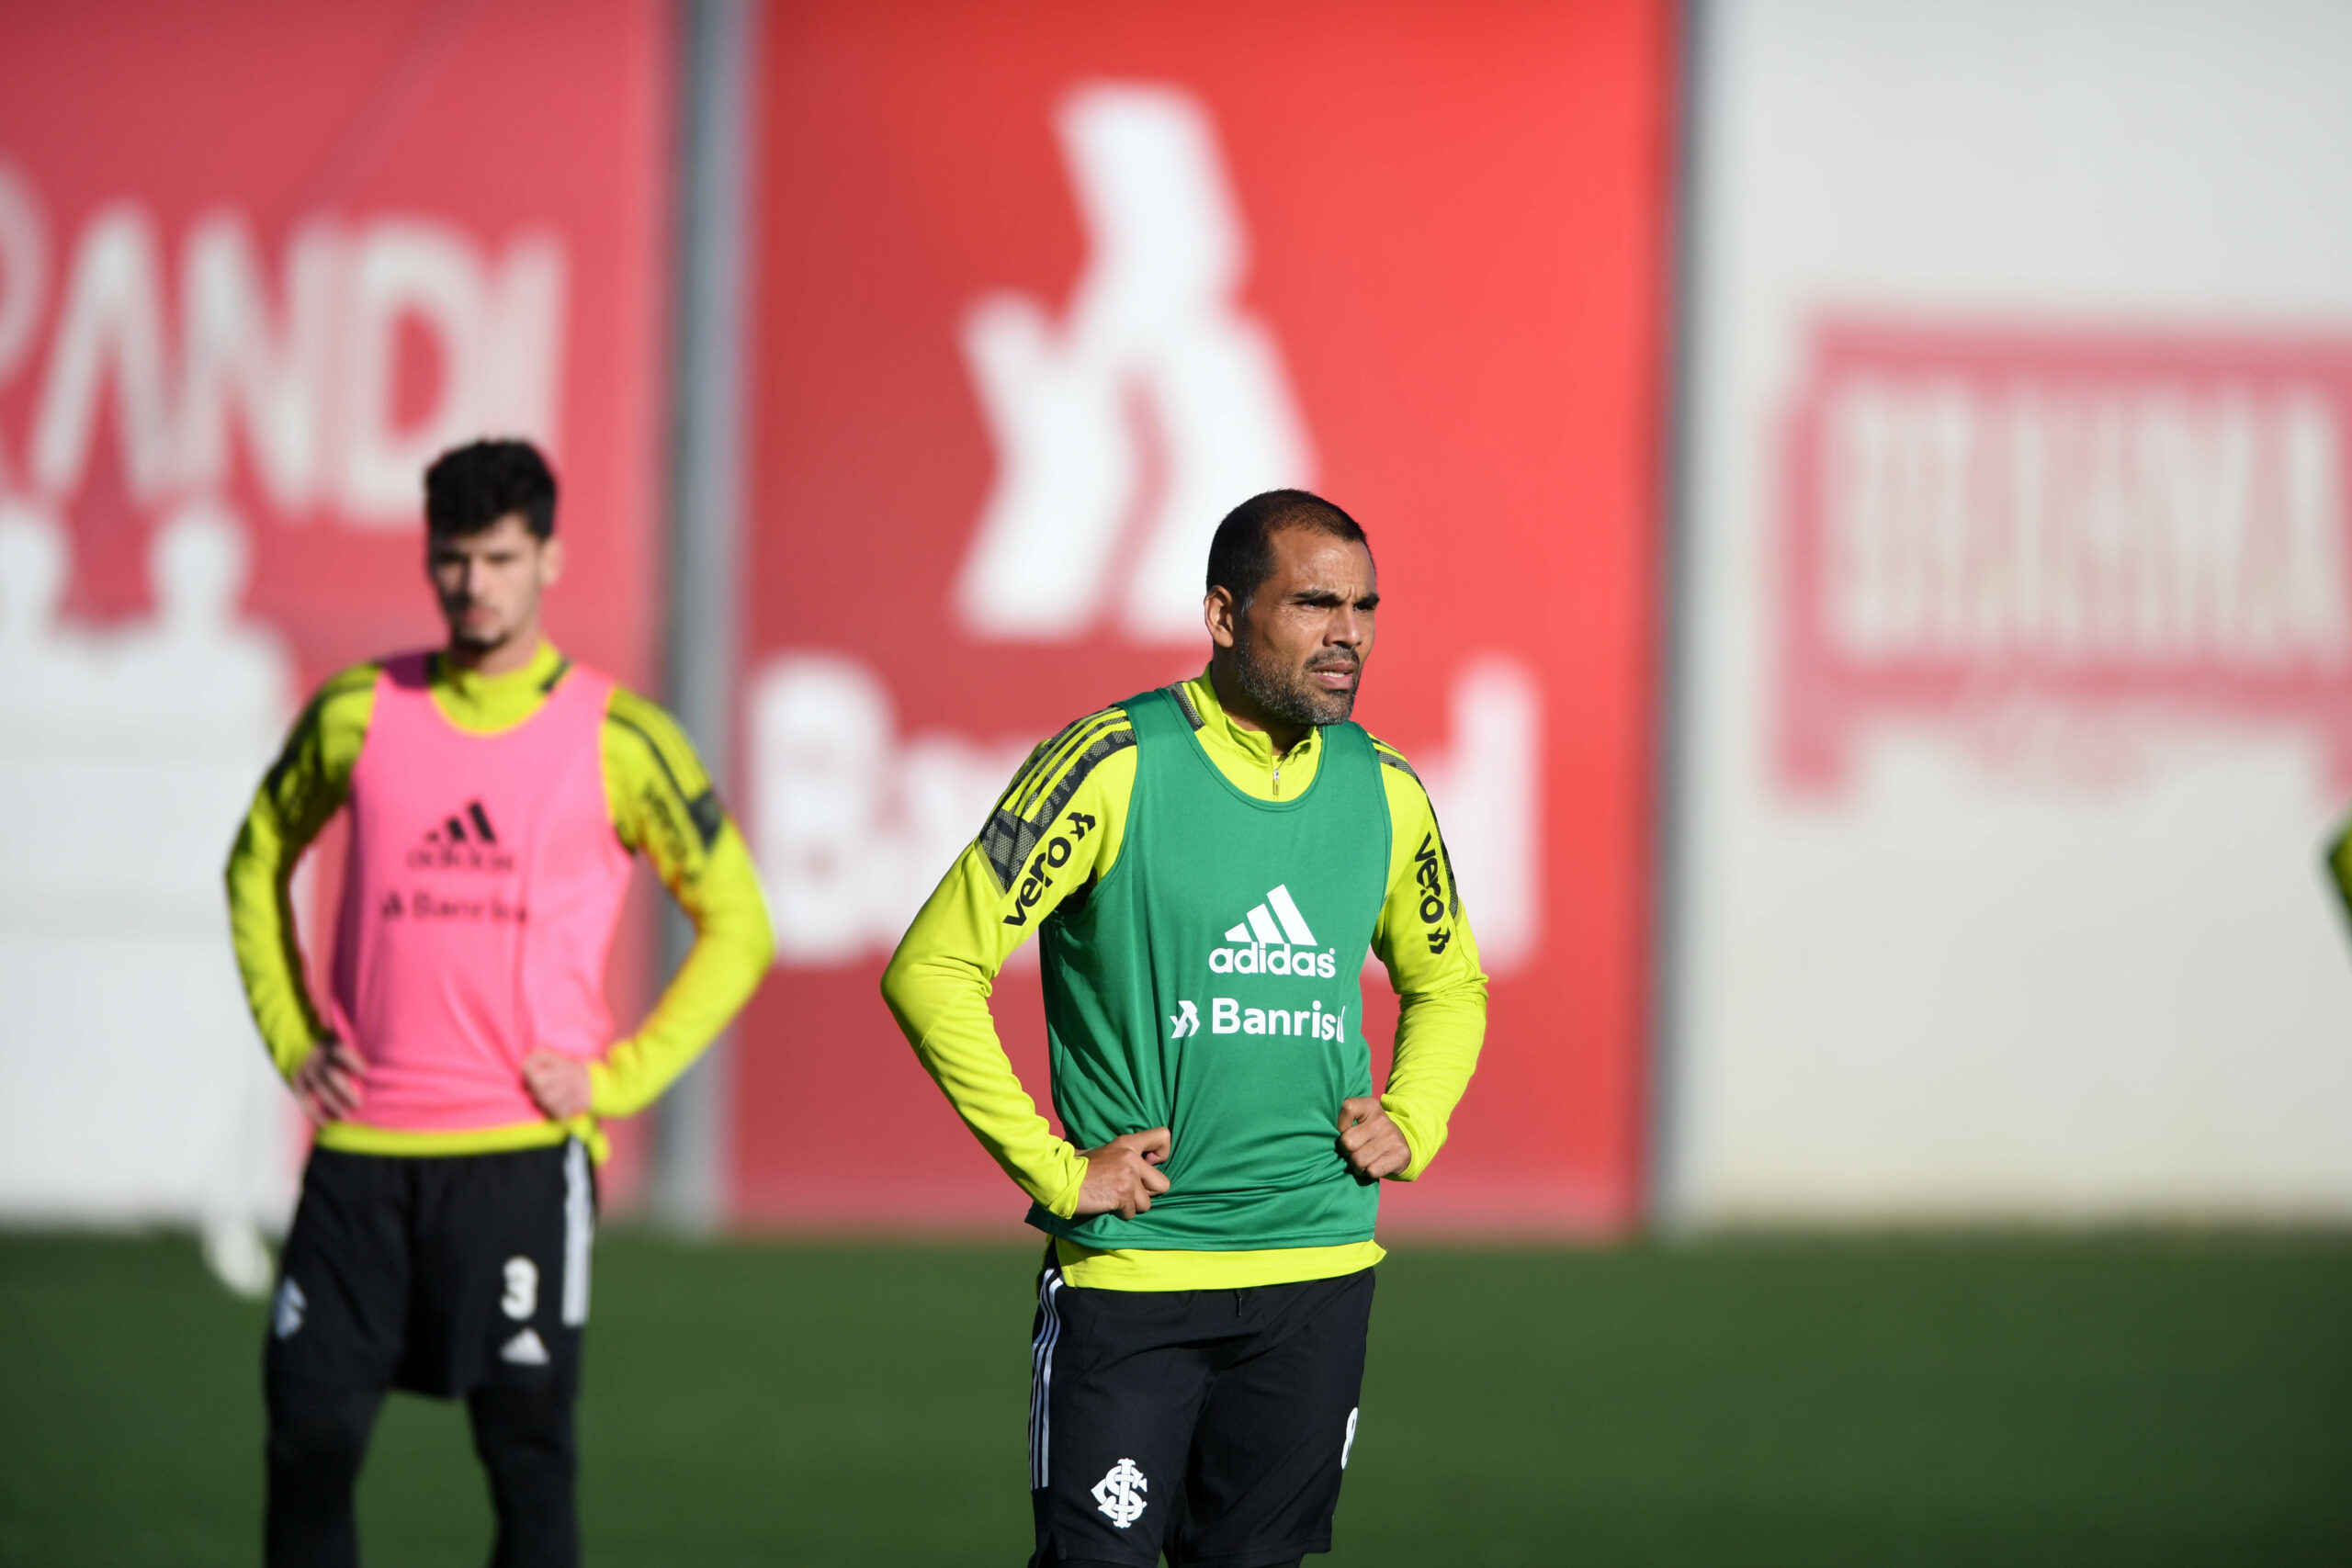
[
  {"x": 489, "y": 583},
  {"x": 1301, "y": 645}
]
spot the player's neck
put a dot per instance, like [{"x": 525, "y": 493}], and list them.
[
  {"x": 1284, "y": 733},
  {"x": 505, "y": 657}
]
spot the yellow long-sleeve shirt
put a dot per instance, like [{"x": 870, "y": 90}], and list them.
[
  {"x": 939, "y": 981},
  {"x": 662, "y": 804}
]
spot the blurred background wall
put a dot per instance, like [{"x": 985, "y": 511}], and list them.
[
  {"x": 1859, "y": 491},
  {"x": 2015, "y": 630}
]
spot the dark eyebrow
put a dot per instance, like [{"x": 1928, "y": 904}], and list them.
[{"x": 1333, "y": 596}]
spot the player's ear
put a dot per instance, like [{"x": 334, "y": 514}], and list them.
[
  {"x": 1216, "y": 614},
  {"x": 550, "y": 562}
]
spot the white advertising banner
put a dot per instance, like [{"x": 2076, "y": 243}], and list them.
[{"x": 2016, "y": 641}]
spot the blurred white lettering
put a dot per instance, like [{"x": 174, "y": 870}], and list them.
[
  {"x": 495, "y": 335},
  {"x": 852, "y": 826},
  {"x": 24, "y": 280},
  {"x": 112, "y": 319},
  {"x": 236, "y": 356},
  {"x": 1152, "y": 334},
  {"x": 2053, "y": 523},
  {"x": 311, "y": 375}
]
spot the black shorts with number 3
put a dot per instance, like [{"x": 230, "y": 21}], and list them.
[
  {"x": 1212, "y": 1426},
  {"x": 439, "y": 1274}
]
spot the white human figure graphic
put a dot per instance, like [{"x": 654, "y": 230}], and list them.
[
  {"x": 43, "y": 667},
  {"x": 46, "y": 672},
  {"x": 215, "y": 672},
  {"x": 135, "y": 1086},
  {"x": 1153, "y": 336},
  {"x": 32, "y": 577}
]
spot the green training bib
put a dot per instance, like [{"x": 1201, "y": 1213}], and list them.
[{"x": 1211, "y": 984}]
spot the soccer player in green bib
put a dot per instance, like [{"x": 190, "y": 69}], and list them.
[{"x": 1207, "y": 866}]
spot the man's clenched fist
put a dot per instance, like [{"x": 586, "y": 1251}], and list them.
[
  {"x": 331, "y": 1082},
  {"x": 1373, "y": 1145},
  {"x": 559, "y": 1083}
]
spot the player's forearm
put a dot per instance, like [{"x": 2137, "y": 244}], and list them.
[
  {"x": 942, "y": 1005},
  {"x": 1424, "y": 939},
  {"x": 1439, "y": 1033},
  {"x": 733, "y": 950},
  {"x": 302, "y": 791},
  {"x": 262, "y": 932},
  {"x": 938, "y": 982}
]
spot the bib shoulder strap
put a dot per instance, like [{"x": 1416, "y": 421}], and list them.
[
  {"x": 411, "y": 671},
  {"x": 1158, "y": 714},
  {"x": 580, "y": 683},
  {"x": 1348, "y": 740}
]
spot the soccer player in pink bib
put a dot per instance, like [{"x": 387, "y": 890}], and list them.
[{"x": 495, "y": 792}]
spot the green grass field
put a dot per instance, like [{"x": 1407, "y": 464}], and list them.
[{"x": 1991, "y": 1402}]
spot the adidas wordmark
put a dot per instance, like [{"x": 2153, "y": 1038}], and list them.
[{"x": 1265, "y": 940}]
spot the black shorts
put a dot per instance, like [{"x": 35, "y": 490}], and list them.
[
  {"x": 439, "y": 1274},
  {"x": 1209, "y": 1424}
]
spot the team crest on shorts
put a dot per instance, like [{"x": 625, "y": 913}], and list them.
[
  {"x": 287, "y": 1316},
  {"x": 1120, "y": 1494}
]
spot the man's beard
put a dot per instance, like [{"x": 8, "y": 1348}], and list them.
[{"x": 1288, "y": 693}]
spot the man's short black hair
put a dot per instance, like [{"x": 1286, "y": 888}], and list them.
[
  {"x": 470, "y": 487},
  {"x": 1241, "y": 555}
]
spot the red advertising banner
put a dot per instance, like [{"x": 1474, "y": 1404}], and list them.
[
  {"x": 1987, "y": 521},
  {"x": 259, "y": 261},
  {"x": 1043, "y": 291}
]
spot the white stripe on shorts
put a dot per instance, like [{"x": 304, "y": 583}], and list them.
[
  {"x": 579, "y": 1230},
  {"x": 1041, "y": 1375}
]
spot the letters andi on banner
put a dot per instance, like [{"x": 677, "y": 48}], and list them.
[{"x": 346, "y": 263}]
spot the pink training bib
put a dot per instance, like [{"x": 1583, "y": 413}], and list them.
[{"x": 479, "y": 902}]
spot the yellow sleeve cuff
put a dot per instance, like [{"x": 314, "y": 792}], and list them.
[
  {"x": 1421, "y": 1142},
  {"x": 290, "y": 1063},
  {"x": 1061, "y": 1200},
  {"x": 604, "y": 1097}
]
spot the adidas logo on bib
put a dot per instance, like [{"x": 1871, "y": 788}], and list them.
[
  {"x": 1266, "y": 941},
  {"x": 462, "y": 840}
]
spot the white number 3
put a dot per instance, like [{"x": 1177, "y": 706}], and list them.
[{"x": 522, "y": 1288}]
